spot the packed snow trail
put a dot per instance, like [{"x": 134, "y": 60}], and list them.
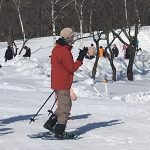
[{"x": 119, "y": 121}]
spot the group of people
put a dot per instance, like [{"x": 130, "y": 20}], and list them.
[
  {"x": 114, "y": 52},
  {"x": 101, "y": 52},
  {"x": 9, "y": 54}
]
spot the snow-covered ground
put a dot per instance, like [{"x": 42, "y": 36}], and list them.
[{"x": 118, "y": 120}]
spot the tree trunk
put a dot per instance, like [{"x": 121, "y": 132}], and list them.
[
  {"x": 79, "y": 10},
  {"x": 96, "y": 61},
  {"x": 21, "y": 23},
  {"x": 132, "y": 50},
  {"x": 126, "y": 11},
  {"x": 40, "y": 22},
  {"x": 91, "y": 16},
  {"x": 130, "y": 65},
  {"x": 53, "y": 22},
  {"x": 111, "y": 60},
  {"x": 81, "y": 29},
  {"x": 113, "y": 69}
]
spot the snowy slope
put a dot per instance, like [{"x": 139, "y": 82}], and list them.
[{"x": 118, "y": 120}]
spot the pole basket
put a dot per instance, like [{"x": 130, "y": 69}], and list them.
[{"x": 32, "y": 120}]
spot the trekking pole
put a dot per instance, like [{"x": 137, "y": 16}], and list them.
[
  {"x": 50, "y": 111},
  {"x": 32, "y": 118}
]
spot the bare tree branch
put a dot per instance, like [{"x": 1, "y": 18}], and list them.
[
  {"x": 115, "y": 34},
  {"x": 62, "y": 9}
]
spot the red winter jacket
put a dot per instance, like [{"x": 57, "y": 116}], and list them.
[{"x": 62, "y": 66}]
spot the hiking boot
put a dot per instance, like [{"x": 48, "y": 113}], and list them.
[
  {"x": 60, "y": 132},
  {"x": 50, "y": 123}
]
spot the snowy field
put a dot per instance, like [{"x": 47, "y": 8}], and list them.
[{"x": 117, "y": 120}]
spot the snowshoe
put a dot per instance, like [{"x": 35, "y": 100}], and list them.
[
  {"x": 65, "y": 135},
  {"x": 52, "y": 136}
]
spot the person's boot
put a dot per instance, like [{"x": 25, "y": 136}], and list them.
[
  {"x": 50, "y": 123},
  {"x": 60, "y": 132}
]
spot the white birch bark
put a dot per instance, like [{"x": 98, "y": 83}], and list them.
[
  {"x": 53, "y": 3},
  {"x": 53, "y": 21},
  {"x": 81, "y": 26},
  {"x": 18, "y": 4},
  {"x": 79, "y": 10},
  {"x": 21, "y": 23}
]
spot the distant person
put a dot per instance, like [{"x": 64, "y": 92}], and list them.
[
  {"x": 28, "y": 52},
  {"x": 127, "y": 53},
  {"x": 101, "y": 51},
  {"x": 134, "y": 42},
  {"x": 91, "y": 52},
  {"x": 9, "y": 54},
  {"x": 115, "y": 51}
]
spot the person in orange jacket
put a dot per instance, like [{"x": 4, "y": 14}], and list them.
[
  {"x": 101, "y": 51},
  {"x": 62, "y": 72}
]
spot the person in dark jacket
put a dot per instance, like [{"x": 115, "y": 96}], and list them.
[
  {"x": 127, "y": 52},
  {"x": 115, "y": 51},
  {"x": 9, "y": 54},
  {"x": 62, "y": 72},
  {"x": 28, "y": 52}
]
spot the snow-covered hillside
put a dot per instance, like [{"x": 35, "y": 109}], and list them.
[{"x": 117, "y": 120}]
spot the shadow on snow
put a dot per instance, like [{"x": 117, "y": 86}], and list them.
[
  {"x": 17, "y": 118},
  {"x": 84, "y": 116},
  {"x": 91, "y": 126},
  {"x": 4, "y": 130}
]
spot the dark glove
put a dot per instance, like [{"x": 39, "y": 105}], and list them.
[{"x": 82, "y": 53}]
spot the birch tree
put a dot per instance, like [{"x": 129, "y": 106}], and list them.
[
  {"x": 79, "y": 10},
  {"x": 53, "y": 2},
  {"x": 18, "y": 5},
  {"x": 53, "y": 15}
]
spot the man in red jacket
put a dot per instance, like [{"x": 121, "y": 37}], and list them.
[{"x": 62, "y": 71}]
